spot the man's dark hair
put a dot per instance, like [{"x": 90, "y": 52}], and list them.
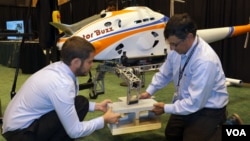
[
  {"x": 76, "y": 47},
  {"x": 180, "y": 25}
]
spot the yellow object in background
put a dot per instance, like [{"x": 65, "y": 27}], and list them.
[{"x": 56, "y": 18}]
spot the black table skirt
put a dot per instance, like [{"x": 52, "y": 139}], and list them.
[{"x": 31, "y": 56}]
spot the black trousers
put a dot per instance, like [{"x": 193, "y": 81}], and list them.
[
  {"x": 204, "y": 125},
  {"x": 48, "y": 127}
]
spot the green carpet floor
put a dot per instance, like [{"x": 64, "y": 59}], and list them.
[{"x": 239, "y": 103}]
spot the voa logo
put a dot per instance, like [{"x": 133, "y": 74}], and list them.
[{"x": 236, "y": 132}]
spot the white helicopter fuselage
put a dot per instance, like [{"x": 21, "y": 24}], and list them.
[{"x": 138, "y": 31}]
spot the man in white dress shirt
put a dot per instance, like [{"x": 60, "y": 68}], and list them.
[
  {"x": 48, "y": 108},
  {"x": 198, "y": 107}
]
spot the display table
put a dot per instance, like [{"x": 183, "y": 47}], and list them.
[
  {"x": 32, "y": 57},
  {"x": 9, "y": 52}
]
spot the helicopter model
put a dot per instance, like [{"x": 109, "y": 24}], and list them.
[{"x": 130, "y": 42}]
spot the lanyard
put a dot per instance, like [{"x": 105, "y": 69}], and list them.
[
  {"x": 186, "y": 62},
  {"x": 76, "y": 86}
]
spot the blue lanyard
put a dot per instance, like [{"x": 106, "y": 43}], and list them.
[{"x": 189, "y": 56}]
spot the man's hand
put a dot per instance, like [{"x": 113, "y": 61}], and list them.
[
  {"x": 158, "y": 108},
  {"x": 103, "y": 105},
  {"x": 110, "y": 117},
  {"x": 145, "y": 95}
]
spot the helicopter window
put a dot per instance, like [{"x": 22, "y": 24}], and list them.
[
  {"x": 119, "y": 47},
  {"x": 103, "y": 15},
  {"x": 145, "y": 20},
  {"x": 155, "y": 43},
  {"x": 119, "y": 51},
  {"x": 138, "y": 21},
  {"x": 107, "y": 24},
  {"x": 154, "y": 34},
  {"x": 152, "y": 18},
  {"x": 119, "y": 23}
]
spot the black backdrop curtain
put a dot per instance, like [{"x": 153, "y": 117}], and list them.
[{"x": 207, "y": 14}]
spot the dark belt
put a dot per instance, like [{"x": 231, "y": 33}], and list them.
[
  {"x": 208, "y": 111},
  {"x": 32, "y": 128},
  {"x": 9, "y": 134}
]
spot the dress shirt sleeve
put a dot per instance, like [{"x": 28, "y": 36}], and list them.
[
  {"x": 63, "y": 101},
  {"x": 91, "y": 106},
  {"x": 161, "y": 78}
]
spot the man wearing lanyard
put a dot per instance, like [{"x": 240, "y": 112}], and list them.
[{"x": 199, "y": 103}]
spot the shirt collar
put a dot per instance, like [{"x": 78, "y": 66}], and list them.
[
  {"x": 68, "y": 70},
  {"x": 188, "y": 52}
]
